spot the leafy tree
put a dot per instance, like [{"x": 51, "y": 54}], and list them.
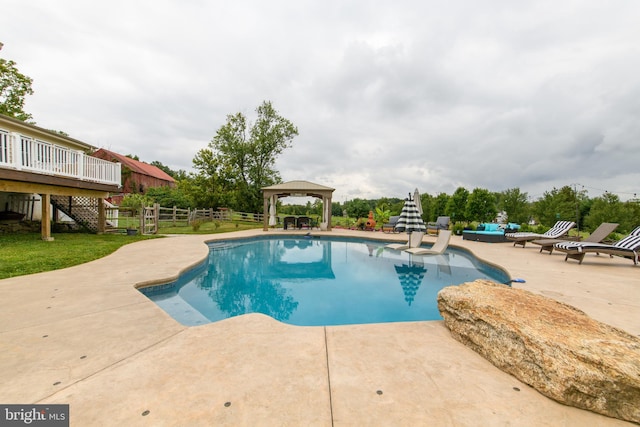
[
  {"x": 558, "y": 204},
  {"x": 14, "y": 87},
  {"x": 481, "y": 205},
  {"x": 457, "y": 205},
  {"x": 241, "y": 157},
  {"x": 607, "y": 208},
  {"x": 438, "y": 207},
  {"x": 515, "y": 204},
  {"x": 631, "y": 216},
  {"x": 358, "y": 208},
  {"x": 168, "y": 197},
  {"x": 336, "y": 209},
  {"x": 428, "y": 203},
  {"x": 209, "y": 188}
]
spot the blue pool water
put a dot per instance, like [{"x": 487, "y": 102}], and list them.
[{"x": 316, "y": 281}]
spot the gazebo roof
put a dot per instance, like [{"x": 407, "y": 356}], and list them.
[{"x": 298, "y": 186}]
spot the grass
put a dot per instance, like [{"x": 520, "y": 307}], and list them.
[
  {"x": 211, "y": 227},
  {"x": 22, "y": 254}
]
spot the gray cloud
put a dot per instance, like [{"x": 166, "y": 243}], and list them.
[{"x": 387, "y": 97}]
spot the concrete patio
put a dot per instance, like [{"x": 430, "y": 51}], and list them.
[{"x": 85, "y": 336}]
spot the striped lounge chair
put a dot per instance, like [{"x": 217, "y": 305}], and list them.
[
  {"x": 561, "y": 228},
  {"x": 627, "y": 247}
]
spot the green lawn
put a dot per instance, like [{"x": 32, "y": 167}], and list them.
[{"x": 22, "y": 254}]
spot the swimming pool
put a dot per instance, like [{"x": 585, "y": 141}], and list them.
[{"x": 314, "y": 281}]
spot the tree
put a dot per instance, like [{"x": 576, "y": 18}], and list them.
[
  {"x": 208, "y": 188},
  {"x": 457, "y": 205},
  {"x": 168, "y": 197},
  {"x": 481, "y": 205},
  {"x": 427, "y": 202},
  {"x": 631, "y": 215},
  {"x": 359, "y": 208},
  {"x": 438, "y": 207},
  {"x": 558, "y": 204},
  {"x": 14, "y": 87},
  {"x": 514, "y": 203},
  {"x": 241, "y": 157},
  {"x": 607, "y": 208}
]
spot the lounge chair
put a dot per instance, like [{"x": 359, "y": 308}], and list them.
[
  {"x": 561, "y": 228},
  {"x": 442, "y": 223},
  {"x": 627, "y": 247},
  {"x": 438, "y": 247},
  {"x": 598, "y": 235},
  {"x": 414, "y": 241}
]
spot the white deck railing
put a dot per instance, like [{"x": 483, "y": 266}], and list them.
[{"x": 27, "y": 154}]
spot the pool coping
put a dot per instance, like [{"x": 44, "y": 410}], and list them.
[{"x": 85, "y": 336}]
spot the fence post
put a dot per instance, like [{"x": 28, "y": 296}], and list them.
[
  {"x": 141, "y": 218},
  {"x": 174, "y": 215},
  {"x": 156, "y": 217}
]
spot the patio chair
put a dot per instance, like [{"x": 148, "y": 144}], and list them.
[
  {"x": 561, "y": 228},
  {"x": 390, "y": 227},
  {"x": 442, "y": 223},
  {"x": 438, "y": 247},
  {"x": 627, "y": 247},
  {"x": 598, "y": 236},
  {"x": 303, "y": 222},
  {"x": 413, "y": 241},
  {"x": 289, "y": 222}
]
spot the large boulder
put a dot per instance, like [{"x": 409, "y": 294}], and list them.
[{"x": 553, "y": 347}]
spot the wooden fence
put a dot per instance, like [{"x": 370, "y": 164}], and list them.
[{"x": 149, "y": 219}]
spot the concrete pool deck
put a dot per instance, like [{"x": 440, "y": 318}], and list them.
[{"x": 84, "y": 336}]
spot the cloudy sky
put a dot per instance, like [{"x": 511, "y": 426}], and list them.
[{"x": 387, "y": 96}]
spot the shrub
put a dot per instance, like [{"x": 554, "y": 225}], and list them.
[{"x": 196, "y": 223}]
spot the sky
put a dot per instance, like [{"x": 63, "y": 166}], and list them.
[{"x": 387, "y": 96}]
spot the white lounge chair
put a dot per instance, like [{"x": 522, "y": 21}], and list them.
[
  {"x": 414, "y": 241},
  {"x": 561, "y": 228},
  {"x": 438, "y": 247}
]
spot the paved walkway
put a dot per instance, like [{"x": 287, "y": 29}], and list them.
[{"x": 84, "y": 336}]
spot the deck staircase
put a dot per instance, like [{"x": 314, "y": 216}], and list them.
[{"x": 83, "y": 210}]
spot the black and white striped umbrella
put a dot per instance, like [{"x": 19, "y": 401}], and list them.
[
  {"x": 410, "y": 219},
  {"x": 410, "y": 279}
]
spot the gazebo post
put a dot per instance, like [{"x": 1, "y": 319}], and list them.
[
  {"x": 327, "y": 211},
  {"x": 265, "y": 218}
]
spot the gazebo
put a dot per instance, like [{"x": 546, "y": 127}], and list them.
[{"x": 272, "y": 193}]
